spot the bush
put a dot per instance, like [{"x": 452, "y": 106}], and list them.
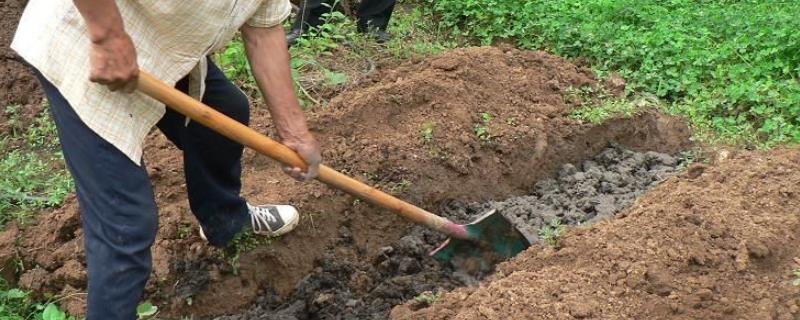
[{"x": 730, "y": 65}]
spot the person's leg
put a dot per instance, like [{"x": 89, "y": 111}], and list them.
[
  {"x": 212, "y": 162},
  {"x": 118, "y": 214},
  {"x": 375, "y": 15},
  {"x": 309, "y": 15}
]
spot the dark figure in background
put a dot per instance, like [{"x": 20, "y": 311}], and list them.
[{"x": 373, "y": 18}]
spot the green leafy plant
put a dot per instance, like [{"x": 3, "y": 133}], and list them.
[
  {"x": 34, "y": 175},
  {"x": 16, "y": 304},
  {"x": 606, "y": 110},
  {"x": 243, "y": 242},
  {"x": 427, "y": 132},
  {"x": 146, "y": 310},
  {"x": 551, "y": 233},
  {"x": 52, "y": 312},
  {"x": 399, "y": 187},
  {"x": 482, "y": 128},
  {"x": 428, "y": 297},
  {"x": 796, "y": 280}
]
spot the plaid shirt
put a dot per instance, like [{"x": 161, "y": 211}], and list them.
[{"x": 172, "y": 39}]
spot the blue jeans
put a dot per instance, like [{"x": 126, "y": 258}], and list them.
[{"x": 118, "y": 209}]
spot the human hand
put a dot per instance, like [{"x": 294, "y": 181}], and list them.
[
  {"x": 113, "y": 63},
  {"x": 308, "y": 149}
]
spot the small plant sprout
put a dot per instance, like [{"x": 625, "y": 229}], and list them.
[
  {"x": 184, "y": 230},
  {"x": 512, "y": 121},
  {"x": 482, "y": 128},
  {"x": 400, "y": 186},
  {"x": 796, "y": 280},
  {"x": 551, "y": 234},
  {"x": 427, "y": 132},
  {"x": 428, "y": 297}
]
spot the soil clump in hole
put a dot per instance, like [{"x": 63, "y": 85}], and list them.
[{"x": 345, "y": 286}]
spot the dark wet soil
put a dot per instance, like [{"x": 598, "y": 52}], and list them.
[{"x": 345, "y": 287}]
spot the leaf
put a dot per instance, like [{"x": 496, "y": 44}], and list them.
[
  {"x": 146, "y": 309},
  {"x": 16, "y": 294},
  {"x": 335, "y": 78},
  {"x": 52, "y": 312}
]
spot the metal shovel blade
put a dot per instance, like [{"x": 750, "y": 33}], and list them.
[{"x": 492, "y": 238}]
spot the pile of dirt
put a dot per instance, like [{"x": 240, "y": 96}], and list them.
[
  {"x": 429, "y": 131},
  {"x": 345, "y": 287},
  {"x": 18, "y": 85},
  {"x": 718, "y": 242}
]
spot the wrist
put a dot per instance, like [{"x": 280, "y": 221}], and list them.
[{"x": 103, "y": 35}]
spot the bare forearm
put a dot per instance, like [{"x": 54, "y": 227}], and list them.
[
  {"x": 102, "y": 18},
  {"x": 269, "y": 60}
]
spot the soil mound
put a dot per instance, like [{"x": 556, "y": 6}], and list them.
[
  {"x": 472, "y": 124},
  {"x": 18, "y": 86},
  {"x": 718, "y": 242}
]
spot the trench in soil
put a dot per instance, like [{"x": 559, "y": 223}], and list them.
[
  {"x": 348, "y": 259},
  {"x": 349, "y": 284}
]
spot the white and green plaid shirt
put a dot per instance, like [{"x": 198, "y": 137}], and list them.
[{"x": 172, "y": 39}]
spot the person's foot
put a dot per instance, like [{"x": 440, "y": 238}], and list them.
[
  {"x": 270, "y": 220},
  {"x": 292, "y": 36},
  {"x": 381, "y": 36}
]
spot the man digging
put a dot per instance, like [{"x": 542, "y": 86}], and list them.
[{"x": 88, "y": 53}]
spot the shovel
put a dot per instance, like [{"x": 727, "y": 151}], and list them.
[{"x": 490, "y": 237}]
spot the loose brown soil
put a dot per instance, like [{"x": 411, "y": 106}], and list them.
[
  {"x": 18, "y": 86},
  {"x": 372, "y": 131},
  {"x": 718, "y": 242}
]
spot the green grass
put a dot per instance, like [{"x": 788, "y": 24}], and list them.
[
  {"x": 731, "y": 66},
  {"x": 33, "y": 173},
  {"x": 605, "y": 110}
]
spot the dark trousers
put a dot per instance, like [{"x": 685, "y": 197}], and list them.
[
  {"x": 118, "y": 209},
  {"x": 371, "y": 14}
]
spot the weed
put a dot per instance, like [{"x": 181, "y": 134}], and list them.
[
  {"x": 318, "y": 73},
  {"x": 16, "y": 304},
  {"x": 427, "y": 132},
  {"x": 243, "y": 242},
  {"x": 146, "y": 310},
  {"x": 551, "y": 233},
  {"x": 606, "y": 110},
  {"x": 233, "y": 62},
  {"x": 796, "y": 281},
  {"x": 428, "y": 297},
  {"x": 184, "y": 231},
  {"x": 42, "y": 133},
  {"x": 482, "y": 128},
  {"x": 512, "y": 121},
  {"x": 400, "y": 187}
]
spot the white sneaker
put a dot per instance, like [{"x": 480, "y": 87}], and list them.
[{"x": 270, "y": 220}]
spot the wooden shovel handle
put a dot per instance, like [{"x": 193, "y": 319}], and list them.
[{"x": 238, "y": 132}]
